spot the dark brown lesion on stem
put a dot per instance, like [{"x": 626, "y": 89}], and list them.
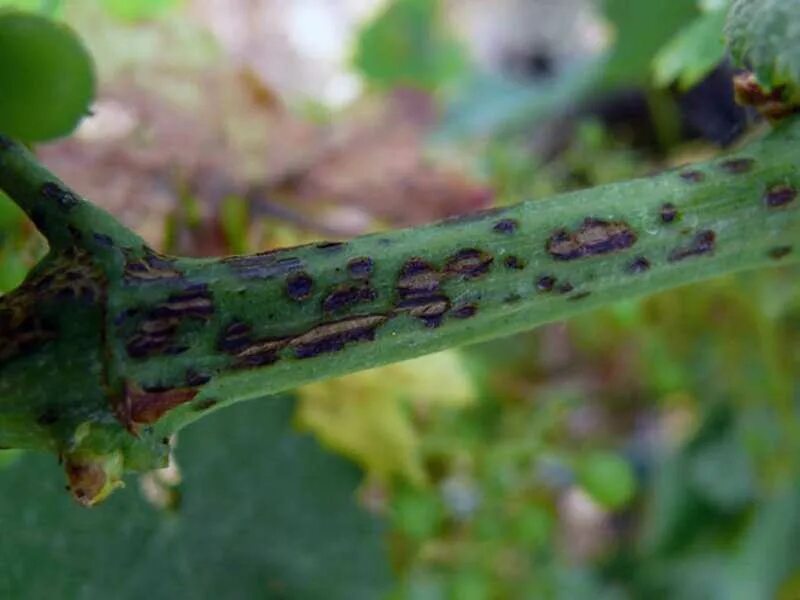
[
  {"x": 594, "y": 237},
  {"x": 703, "y": 242}
]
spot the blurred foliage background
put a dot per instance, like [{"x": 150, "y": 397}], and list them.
[{"x": 648, "y": 450}]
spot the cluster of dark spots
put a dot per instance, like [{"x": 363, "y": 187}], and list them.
[
  {"x": 360, "y": 267},
  {"x": 260, "y": 353},
  {"x": 469, "y": 263},
  {"x": 416, "y": 277},
  {"x": 49, "y": 416},
  {"x": 702, "y": 243},
  {"x": 506, "y": 226},
  {"x": 103, "y": 239},
  {"x": 299, "y": 286},
  {"x": 385, "y": 241},
  {"x": 196, "y": 378},
  {"x": 65, "y": 198},
  {"x": 5, "y": 143},
  {"x": 147, "y": 405},
  {"x": 153, "y": 338},
  {"x": 737, "y": 166},
  {"x": 346, "y": 296},
  {"x": 419, "y": 293},
  {"x": 430, "y": 309},
  {"x": 264, "y": 265},
  {"x": 151, "y": 267},
  {"x": 545, "y": 283},
  {"x": 779, "y": 195},
  {"x": 205, "y": 404},
  {"x": 594, "y": 237},
  {"x": 21, "y": 333},
  {"x": 512, "y": 298},
  {"x": 156, "y": 333},
  {"x": 579, "y": 296},
  {"x": 193, "y": 302},
  {"x": 333, "y": 337},
  {"x": 565, "y": 288},
  {"x": 780, "y": 252},
  {"x": 639, "y": 265},
  {"x": 465, "y": 311},
  {"x": 234, "y": 337},
  {"x": 329, "y": 337},
  {"x": 693, "y": 176},
  {"x": 669, "y": 213},
  {"x": 330, "y": 246},
  {"x": 514, "y": 263},
  {"x": 237, "y": 340}
]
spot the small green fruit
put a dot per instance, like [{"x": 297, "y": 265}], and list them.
[{"x": 46, "y": 77}]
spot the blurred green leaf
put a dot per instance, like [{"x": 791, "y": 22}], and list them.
[
  {"x": 764, "y": 35},
  {"x": 607, "y": 478},
  {"x": 48, "y": 7},
  {"x": 9, "y": 457},
  {"x": 470, "y": 584},
  {"x": 721, "y": 473},
  {"x": 692, "y": 53},
  {"x": 137, "y": 10},
  {"x": 770, "y": 548},
  {"x": 264, "y": 513},
  {"x": 234, "y": 215},
  {"x": 486, "y": 104},
  {"x": 641, "y": 28},
  {"x": 46, "y": 77},
  {"x": 418, "y": 513},
  {"x": 408, "y": 45}
]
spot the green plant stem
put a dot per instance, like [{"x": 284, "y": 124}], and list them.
[{"x": 110, "y": 347}]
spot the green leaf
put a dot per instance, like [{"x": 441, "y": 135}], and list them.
[
  {"x": 264, "y": 513},
  {"x": 607, "y": 478},
  {"x": 137, "y": 10},
  {"x": 692, "y": 53},
  {"x": 764, "y": 35},
  {"x": 486, "y": 104},
  {"x": 770, "y": 547},
  {"x": 408, "y": 45},
  {"x": 641, "y": 29},
  {"x": 46, "y": 77},
  {"x": 234, "y": 215},
  {"x": 48, "y": 7},
  {"x": 720, "y": 472}
]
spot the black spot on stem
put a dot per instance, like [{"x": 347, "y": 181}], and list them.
[
  {"x": 639, "y": 265},
  {"x": 546, "y": 283},
  {"x": 737, "y": 166},
  {"x": 299, "y": 286},
  {"x": 779, "y": 196},
  {"x": 65, "y": 198},
  {"x": 780, "y": 252},
  {"x": 702, "y": 243},
  {"x": 669, "y": 213},
  {"x": 693, "y": 176},
  {"x": 514, "y": 263},
  {"x": 360, "y": 268},
  {"x": 506, "y": 226}
]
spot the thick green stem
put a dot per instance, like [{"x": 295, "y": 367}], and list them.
[{"x": 111, "y": 347}]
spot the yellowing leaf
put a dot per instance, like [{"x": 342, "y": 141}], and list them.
[{"x": 365, "y": 415}]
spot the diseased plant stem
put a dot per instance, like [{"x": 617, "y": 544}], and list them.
[{"x": 108, "y": 347}]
